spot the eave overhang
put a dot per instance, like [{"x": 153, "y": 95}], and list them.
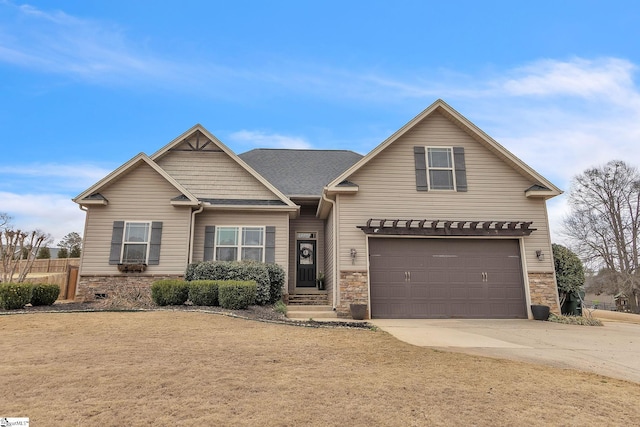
[
  {"x": 539, "y": 191},
  {"x": 95, "y": 199},
  {"x": 467, "y": 228},
  {"x": 250, "y": 205}
]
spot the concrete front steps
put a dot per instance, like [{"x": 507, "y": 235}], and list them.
[{"x": 311, "y": 304}]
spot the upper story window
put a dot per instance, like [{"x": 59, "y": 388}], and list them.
[
  {"x": 440, "y": 166},
  {"x": 240, "y": 243},
  {"x": 135, "y": 245}
]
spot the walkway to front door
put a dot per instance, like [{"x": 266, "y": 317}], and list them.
[{"x": 306, "y": 264}]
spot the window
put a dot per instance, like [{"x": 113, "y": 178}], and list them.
[
  {"x": 305, "y": 235},
  {"x": 135, "y": 245},
  {"x": 239, "y": 244},
  {"x": 440, "y": 168},
  {"x": 135, "y": 242}
]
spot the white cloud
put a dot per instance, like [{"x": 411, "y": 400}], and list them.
[
  {"x": 607, "y": 77},
  {"x": 50, "y": 177},
  {"x": 38, "y": 196},
  {"x": 55, "y": 214},
  {"x": 258, "y": 139},
  {"x": 56, "y": 42}
]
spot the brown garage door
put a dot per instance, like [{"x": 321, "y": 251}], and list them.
[{"x": 446, "y": 278}]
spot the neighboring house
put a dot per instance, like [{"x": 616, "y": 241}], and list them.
[{"x": 438, "y": 221}]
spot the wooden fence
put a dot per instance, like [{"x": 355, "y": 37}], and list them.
[{"x": 55, "y": 265}]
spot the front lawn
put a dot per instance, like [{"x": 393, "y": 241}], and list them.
[{"x": 201, "y": 369}]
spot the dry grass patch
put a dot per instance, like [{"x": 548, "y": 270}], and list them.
[{"x": 182, "y": 368}]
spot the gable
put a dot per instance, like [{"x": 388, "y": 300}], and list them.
[
  {"x": 211, "y": 171},
  {"x": 393, "y": 172},
  {"x": 93, "y": 195},
  {"x": 441, "y": 108},
  {"x": 140, "y": 186}
]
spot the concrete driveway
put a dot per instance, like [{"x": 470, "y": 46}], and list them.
[{"x": 610, "y": 350}]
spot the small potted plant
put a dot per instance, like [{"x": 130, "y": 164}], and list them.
[
  {"x": 358, "y": 311},
  {"x": 320, "y": 281}
]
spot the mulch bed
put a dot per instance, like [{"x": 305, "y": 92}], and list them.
[{"x": 254, "y": 312}]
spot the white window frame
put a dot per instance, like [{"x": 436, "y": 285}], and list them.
[
  {"x": 125, "y": 242},
  {"x": 434, "y": 168},
  {"x": 239, "y": 246}
]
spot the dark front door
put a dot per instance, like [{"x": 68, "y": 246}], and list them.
[{"x": 306, "y": 263}]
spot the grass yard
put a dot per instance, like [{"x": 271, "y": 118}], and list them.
[{"x": 197, "y": 369}]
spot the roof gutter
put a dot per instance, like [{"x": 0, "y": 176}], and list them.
[
  {"x": 334, "y": 273},
  {"x": 193, "y": 231}
]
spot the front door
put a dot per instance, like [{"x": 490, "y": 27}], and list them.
[{"x": 306, "y": 264}]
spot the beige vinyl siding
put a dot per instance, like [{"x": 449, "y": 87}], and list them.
[
  {"x": 306, "y": 222},
  {"x": 141, "y": 195},
  {"x": 280, "y": 220},
  {"x": 213, "y": 174},
  {"x": 328, "y": 254},
  {"x": 387, "y": 189}
]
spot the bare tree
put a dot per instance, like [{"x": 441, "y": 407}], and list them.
[
  {"x": 18, "y": 245},
  {"x": 604, "y": 223}
]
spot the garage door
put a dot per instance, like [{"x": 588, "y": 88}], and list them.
[{"x": 446, "y": 278}]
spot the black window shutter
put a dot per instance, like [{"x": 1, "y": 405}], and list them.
[
  {"x": 421, "y": 169},
  {"x": 270, "y": 245},
  {"x": 209, "y": 239},
  {"x": 154, "y": 246},
  {"x": 461, "y": 170},
  {"x": 116, "y": 242}
]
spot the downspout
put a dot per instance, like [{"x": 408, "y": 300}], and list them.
[
  {"x": 192, "y": 232},
  {"x": 84, "y": 235},
  {"x": 334, "y": 279}
]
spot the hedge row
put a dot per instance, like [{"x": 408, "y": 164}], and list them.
[
  {"x": 14, "y": 296},
  {"x": 229, "y": 294},
  {"x": 269, "y": 278}
]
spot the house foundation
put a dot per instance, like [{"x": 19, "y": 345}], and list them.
[{"x": 91, "y": 288}]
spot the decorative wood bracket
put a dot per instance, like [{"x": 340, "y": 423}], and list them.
[{"x": 425, "y": 227}]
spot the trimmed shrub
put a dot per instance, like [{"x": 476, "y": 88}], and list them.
[
  {"x": 203, "y": 292},
  {"x": 242, "y": 271},
  {"x": 237, "y": 295},
  {"x": 169, "y": 292},
  {"x": 44, "y": 294},
  {"x": 276, "y": 279},
  {"x": 189, "y": 273},
  {"x": 14, "y": 296}
]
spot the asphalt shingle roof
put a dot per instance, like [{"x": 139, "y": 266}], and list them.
[{"x": 300, "y": 172}]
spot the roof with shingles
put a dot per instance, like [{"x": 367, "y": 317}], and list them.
[{"x": 300, "y": 172}]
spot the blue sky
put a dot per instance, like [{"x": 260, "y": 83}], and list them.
[{"x": 85, "y": 86}]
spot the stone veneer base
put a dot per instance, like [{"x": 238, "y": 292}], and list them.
[
  {"x": 543, "y": 290},
  {"x": 353, "y": 290},
  {"x": 90, "y": 286}
]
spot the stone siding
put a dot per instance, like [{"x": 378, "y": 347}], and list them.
[
  {"x": 353, "y": 290},
  {"x": 90, "y": 286},
  {"x": 543, "y": 290}
]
